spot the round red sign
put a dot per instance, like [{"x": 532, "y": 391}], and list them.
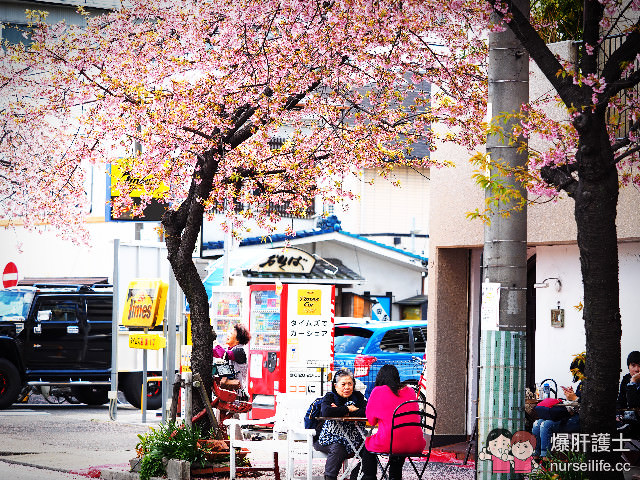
[{"x": 10, "y": 275}]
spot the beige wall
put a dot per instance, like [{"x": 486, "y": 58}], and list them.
[
  {"x": 447, "y": 332},
  {"x": 453, "y": 194}
]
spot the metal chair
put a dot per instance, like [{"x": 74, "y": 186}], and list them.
[{"x": 412, "y": 413}]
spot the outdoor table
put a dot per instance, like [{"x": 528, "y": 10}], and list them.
[{"x": 361, "y": 424}]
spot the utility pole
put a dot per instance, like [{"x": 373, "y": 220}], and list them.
[{"x": 503, "y": 324}]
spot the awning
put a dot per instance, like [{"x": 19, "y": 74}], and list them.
[
  {"x": 415, "y": 300},
  {"x": 243, "y": 262}
]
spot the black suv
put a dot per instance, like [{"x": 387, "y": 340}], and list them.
[{"x": 56, "y": 339}]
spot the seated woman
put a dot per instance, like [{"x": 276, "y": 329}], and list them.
[
  {"x": 543, "y": 429},
  {"x": 341, "y": 401},
  {"x": 388, "y": 393},
  {"x": 234, "y": 352}
]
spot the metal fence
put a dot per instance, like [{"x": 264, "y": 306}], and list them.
[{"x": 620, "y": 121}]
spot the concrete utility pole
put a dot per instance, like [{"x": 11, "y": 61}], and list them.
[{"x": 503, "y": 324}]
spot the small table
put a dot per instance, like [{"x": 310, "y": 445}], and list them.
[{"x": 360, "y": 424}]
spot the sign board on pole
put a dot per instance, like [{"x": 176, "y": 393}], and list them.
[
  {"x": 10, "y": 275},
  {"x": 490, "y": 308},
  {"x": 144, "y": 306},
  {"x": 148, "y": 341}
]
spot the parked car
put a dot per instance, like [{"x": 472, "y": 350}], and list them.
[
  {"x": 56, "y": 340},
  {"x": 364, "y": 347}
]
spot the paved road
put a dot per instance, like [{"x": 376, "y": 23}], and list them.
[
  {"x": 39, "y": 441},
  {"x": 52, "y": 439}
]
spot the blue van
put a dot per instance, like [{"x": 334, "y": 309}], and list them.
[{"x": 364, "y": 347}]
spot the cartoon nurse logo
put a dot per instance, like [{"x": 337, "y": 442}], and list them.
[
  {"x": 506, "y": 451},
  {"x": 497, "y": 450},
  {"x": 523, "y": 445}
]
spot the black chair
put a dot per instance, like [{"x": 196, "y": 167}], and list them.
[{"x": 427, "y": 422}]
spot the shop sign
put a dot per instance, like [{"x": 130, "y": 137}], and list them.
[
  {"x": 309, "y": 302},
  {"x": 291, "y": 260},
  {"x": 144, "y": 306},
  {"x": 147, "y": 341}
]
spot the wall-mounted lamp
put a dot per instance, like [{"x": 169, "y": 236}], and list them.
[{"x": 545, "y": 283}]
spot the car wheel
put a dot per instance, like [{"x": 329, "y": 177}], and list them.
[
  {"x": 9, "y": 383},
  {"x": 131, "y": 386},
  {"x": 93, "y": 396}
]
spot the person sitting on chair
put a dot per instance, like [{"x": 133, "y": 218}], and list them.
[
  {"x": 388, "y": 393},
  {"x": 543, "y": 429},
  {"x": 341, "y": 401},
  {"x": 629, "y": 396},
  {"x": 234, "y": 352}
]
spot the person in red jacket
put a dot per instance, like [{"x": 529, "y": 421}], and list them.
[{"x": 388, "y": 393}]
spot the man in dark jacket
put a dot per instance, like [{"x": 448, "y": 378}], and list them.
[{"x": 629, "y": 394}]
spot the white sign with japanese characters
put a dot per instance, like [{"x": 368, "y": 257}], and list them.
[
  {"x": 289, "y": 260},
  {"x": 310, "y": 319}
]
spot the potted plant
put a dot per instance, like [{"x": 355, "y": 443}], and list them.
[{"x": 168, "y": 441}]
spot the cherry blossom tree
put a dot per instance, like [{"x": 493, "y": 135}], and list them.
[
  {"x": 187, "y": 96},
  {"x": 202, "y": 88},
  {"x": 588, "y": 158}
]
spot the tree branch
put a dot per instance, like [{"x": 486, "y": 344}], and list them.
[
  {"x": 197, "y": 132},
  {"x": 540, "y": 53},
  {"x": 560, "y": 178},
  {"x": 628, "y": 153},
  {"x": 612, "y": 71},
  {"x": 623, "y": 142}
]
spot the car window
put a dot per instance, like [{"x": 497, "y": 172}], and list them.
[
  {"x": 420, "y": 339},
  {"x": 351, "y": 339},
  {"x": 57, "y": 311},
  {"x": 99, "y": 309},
  {"x": 396, "y": 341}
]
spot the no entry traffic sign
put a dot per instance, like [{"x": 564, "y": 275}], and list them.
[{"x": 10, "y": 275}]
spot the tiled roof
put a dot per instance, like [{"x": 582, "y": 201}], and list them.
[
  {"x": 324, "y": 269},
  {"x": 325, "y": 227}
]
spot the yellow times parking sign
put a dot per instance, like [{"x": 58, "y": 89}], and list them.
[
  {"x": 145, "y": 302},
  {"x": 148, "y": 341}
]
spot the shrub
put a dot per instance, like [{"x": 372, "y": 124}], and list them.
[{"x": 168, "y": 441}]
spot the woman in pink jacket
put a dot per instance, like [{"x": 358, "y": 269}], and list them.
[{"x": 385, "y": 397}]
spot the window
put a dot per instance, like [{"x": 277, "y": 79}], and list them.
[
  {"x": 17, "y": 33},
  {"x": 57, "y": 311},
  {"x": 420, "y": 339},
  {"x": 99, "y": 309},
  {"x": 351, "y": 340},
  {"x": 396, "y": 341}
]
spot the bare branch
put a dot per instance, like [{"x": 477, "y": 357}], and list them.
[
  {"x": 623, "y": 142},
  {"x": 560, "y": 178},
  {"x": 626, "y": 154},
  {"x": 540, "y": 53}
]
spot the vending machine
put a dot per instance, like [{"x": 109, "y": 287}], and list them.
[
  {"x": 228, "y": 306},
  {"x": 291, "y": 347}
]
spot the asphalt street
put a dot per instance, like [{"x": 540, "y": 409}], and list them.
[{"x": 40, "y": 440}]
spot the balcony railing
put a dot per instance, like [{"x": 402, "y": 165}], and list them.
[{"x": 622, "y": 124}]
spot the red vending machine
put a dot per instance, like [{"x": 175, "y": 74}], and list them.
[{"x": 291, "y": 340}]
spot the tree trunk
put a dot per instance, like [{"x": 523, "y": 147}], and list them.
[
  {"x": 596, "y": 201},
  {"x": 182, "y": 228}
]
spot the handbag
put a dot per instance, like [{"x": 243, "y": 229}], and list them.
[{"x": 223, "y": 368}]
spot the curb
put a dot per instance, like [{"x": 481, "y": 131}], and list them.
[{"x": 176, "y": 470}]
